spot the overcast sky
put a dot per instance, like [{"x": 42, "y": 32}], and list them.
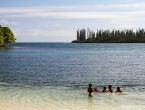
[{"x": 58, "y": 20}]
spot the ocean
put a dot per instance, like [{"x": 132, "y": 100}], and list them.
[{"x": 55, "y": 76}]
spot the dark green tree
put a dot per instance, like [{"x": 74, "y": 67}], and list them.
[
  {"x": 6, "y": 36},
  {"x": 126, "y": 35}
]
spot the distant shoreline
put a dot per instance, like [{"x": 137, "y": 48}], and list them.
[
  {"x": 105, "y": 42},
  {"x": 107, "y": 36},
  {"x": 2, "y": 46},
  {"x": 6, "y": 47}
]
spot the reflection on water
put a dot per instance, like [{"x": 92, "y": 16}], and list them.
[
  {"x": 7, "y": 47},
  {"x": 90, "y": 103}
]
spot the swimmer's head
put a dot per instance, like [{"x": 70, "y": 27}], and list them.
[
  {"x": 90, "y": 85},
  {"x": 118, "y": 88},
  {"x": 110, "y": 86},
  {"x": 104, "y": 88}
]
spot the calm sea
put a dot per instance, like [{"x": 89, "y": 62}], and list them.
[{"x": 55, "y": 76}]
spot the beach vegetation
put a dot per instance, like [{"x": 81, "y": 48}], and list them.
[
  {"x": 6, "y": 36},
  {"x": 107, "y": 36}
]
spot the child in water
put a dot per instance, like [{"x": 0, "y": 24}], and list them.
[
  {"x": 104, "y": 89},
  {"x": 90, "y": 90},
  {"x": 118, "y": 90},
  {"x": 110, "y": 89},
  {"x": 96, "y": 89}
]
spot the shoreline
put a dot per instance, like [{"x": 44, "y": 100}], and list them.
[
  {"x": 6, "y": 47},
  {"x": 61, "y": 98},
  {"x": 102, "y": 42}
]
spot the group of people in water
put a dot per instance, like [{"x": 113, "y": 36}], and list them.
[{"x": 91, "y": 90}]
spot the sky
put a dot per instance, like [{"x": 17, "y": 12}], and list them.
[{"x": 58, "y": 20}]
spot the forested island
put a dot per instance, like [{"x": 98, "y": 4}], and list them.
[
  {"x": 107, "y": 36},
  {"x": 6, "y": 36}
]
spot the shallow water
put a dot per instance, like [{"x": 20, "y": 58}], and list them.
[
  {"x": 66, "y": 98},
  {"x": 55, "y": 76}
]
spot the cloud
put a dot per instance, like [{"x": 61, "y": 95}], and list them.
[
  {"x": 122, "y": 15},
  {"x": 101, "y": 7},
  {"x": 8, "y": 22},
  {"x": 42, "y": 35},
  {"x": 95, "y": 11},
  {"x": 80, "y": 15},
  {"x": 43, "y": 32},
  {"x": 115, "y": 13}
]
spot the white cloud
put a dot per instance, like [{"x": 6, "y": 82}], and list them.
[
  {"x": 116, "y": 7},
  {"x": 130, "y": 15},
  {"x": 42, "y": 35},
  {"x": 53, "y": 10},
  {"x": 8, "y": 22},
  {"x": 81, "y": 15},
  {"x": 110, "y": 12}
]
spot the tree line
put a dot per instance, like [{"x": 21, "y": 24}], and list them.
[
  {"x": 6, "y": 36},
  {"x": 126, "y": 35}
]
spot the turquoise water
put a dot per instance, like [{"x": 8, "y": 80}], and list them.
[{"x": 55, "y": 76}]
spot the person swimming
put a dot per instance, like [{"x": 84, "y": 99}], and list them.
[
  {"x": 104, "y": 89},
  {"x": 118, "y": 90},
  {"x": 96, "y": 89},
  {"x": 90, "y": 90},
  {"x": 110, "y": 89}
]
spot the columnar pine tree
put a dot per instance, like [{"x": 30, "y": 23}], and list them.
[{"x": 126, "y": 35}]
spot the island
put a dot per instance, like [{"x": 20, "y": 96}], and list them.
[
  {"x": 6, "y": 36},
  {"x": 107, "y": 36}
]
